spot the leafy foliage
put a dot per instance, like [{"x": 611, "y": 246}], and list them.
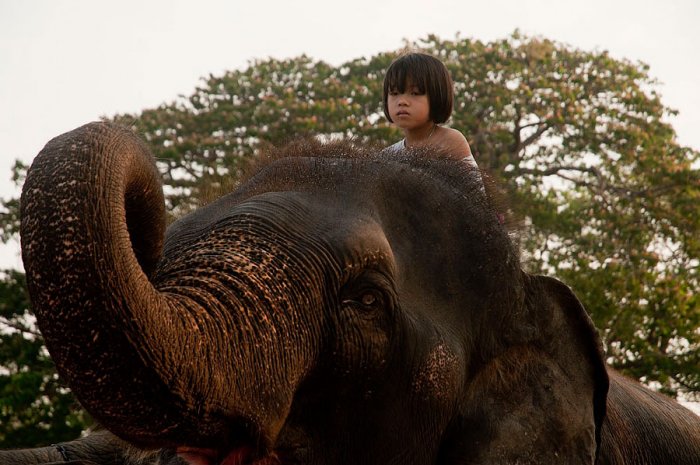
[
  {"x": 610, "y": 197},
  {"x": 35, "y": 408},
  {"x": 578, "y": 138},
  {"x": 607, "y": 197},
  {"x": 203, "y": 141}
]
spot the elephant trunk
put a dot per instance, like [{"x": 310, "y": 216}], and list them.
[{"x": 150, "y": 364}]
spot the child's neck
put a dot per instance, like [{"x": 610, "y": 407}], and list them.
[{"x": 418, "y": 135}]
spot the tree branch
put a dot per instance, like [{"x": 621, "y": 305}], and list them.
[
  {"x": 556, "y": 170},
  {"x": 19, "y": 327},
  {"x": 536, "y": 135}
]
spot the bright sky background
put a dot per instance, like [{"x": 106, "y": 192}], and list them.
[{"x": 67, "y": 62}]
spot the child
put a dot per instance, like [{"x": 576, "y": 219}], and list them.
[{"x": 418, "y": 98}]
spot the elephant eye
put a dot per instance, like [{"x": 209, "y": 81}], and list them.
[
  {"x": 370, "y": 293},
  {"x": 368, "y": 299}
]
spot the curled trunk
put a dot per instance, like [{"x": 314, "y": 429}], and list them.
[
  {"x": 83, "y": 270},
  {"x": 138, "y": 356}
]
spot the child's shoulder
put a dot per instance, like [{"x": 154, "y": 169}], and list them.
[
  {"x": 453, "y": 134},
  {"x": 454, "y": 141}
]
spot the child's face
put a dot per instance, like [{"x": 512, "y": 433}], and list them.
[{"x": 410, "y": 109}]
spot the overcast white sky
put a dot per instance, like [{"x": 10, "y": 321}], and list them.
[{"x": 66, "y": 62}]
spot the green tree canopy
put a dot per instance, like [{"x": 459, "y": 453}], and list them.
[
  {"x": 608, "y": 199},
  {"x": 35, "y": 408}
]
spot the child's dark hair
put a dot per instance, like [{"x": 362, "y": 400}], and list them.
[{"x": 428, "y": 74}]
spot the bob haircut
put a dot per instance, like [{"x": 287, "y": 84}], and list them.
[{"x": 430, "y": 76}]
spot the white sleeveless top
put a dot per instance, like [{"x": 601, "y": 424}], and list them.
[{"x": 400, "y": 145}]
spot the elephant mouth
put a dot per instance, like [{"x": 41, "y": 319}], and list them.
[{"x": 243, "y": 455}]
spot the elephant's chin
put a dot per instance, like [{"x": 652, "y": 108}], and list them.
[{"x": 240, "y": 456}]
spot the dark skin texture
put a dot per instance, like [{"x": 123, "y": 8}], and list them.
[
  {"x": 99, "y": 447},
  {"x": 644, "y": 427},
  {"x": 340, "y": 307}
]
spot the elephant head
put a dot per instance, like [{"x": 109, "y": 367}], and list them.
[{"x": 340, "y": 306}]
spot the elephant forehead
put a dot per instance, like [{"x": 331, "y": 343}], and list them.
[
  {"x": 330, "y": 218},
  {"x": 344, "y": 230},
  {"x": 360, "y": 240}
]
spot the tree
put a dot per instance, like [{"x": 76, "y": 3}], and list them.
[
  {"x": 577, "y": 138},
  {"x": 205, "y": 139},
  {"x": 607, "y": 198},
  {"x": 35, "y": 408}
]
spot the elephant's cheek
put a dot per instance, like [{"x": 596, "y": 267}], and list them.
[{"x": 438, "y": 377}]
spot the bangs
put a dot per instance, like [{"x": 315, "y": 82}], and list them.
[{"x": 405, "y": 72}]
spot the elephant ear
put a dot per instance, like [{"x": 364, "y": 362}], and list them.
[{"x": 542, "y": 398}]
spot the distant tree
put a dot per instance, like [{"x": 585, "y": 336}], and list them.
[
  {"x": 205, "y": 139},
  {"x": 609, "y": 197},
  {"x": 35, "y": 408},
  {"x": 608, "y": 200},
  {"x": 579, "y": 139}
]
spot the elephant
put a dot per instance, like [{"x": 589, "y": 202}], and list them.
[
  {"x": 340, "y": 306},
  {"x": 98, "y": 447}
]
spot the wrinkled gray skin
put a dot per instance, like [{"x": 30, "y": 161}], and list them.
[
  {"x": 337, "y": 308},
  {"x": 99, "y": 447}
]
